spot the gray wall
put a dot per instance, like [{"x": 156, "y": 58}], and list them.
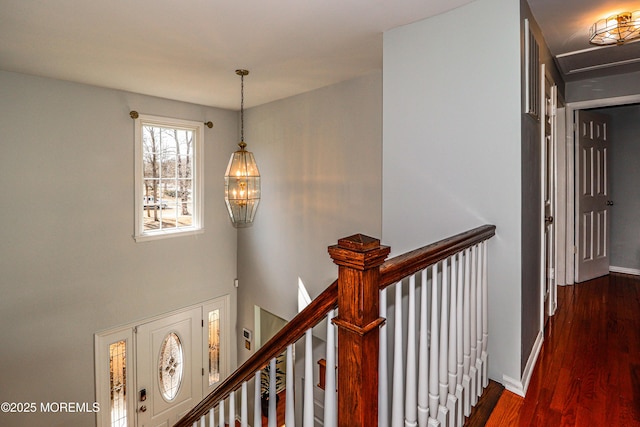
[
  {"x": 604, "y": 87},
  {"x": 319, "y": 156},
  {"x": 452, "y": 150},
  {"x": 624, "y": 167},
  {"x": 531, "y": 196},
  {"x": 69, "y": 265}
]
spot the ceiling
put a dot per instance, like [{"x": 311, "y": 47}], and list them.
[
  {"x": 189, "y": 50},
  {"x": 565, "y": 25}
]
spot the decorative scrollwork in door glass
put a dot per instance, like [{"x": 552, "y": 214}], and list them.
[
  {"x": 170, "y": 367},
  {"x": 214, "y": 346},
  {"x": 118, "y": 383}
]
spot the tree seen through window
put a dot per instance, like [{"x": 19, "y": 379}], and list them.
[{"x": 168, "y": 177}]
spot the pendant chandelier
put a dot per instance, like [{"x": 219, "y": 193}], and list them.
[
  {"x": 242, "y": 180},
  {"x": 616, "y": 29}
]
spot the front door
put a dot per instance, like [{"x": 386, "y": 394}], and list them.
[
  {"x": 592, "y": 200},
  {"x": 169, "y": 368},
  {"x": 151, "y": 372}
]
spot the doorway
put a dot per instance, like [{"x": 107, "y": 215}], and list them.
[
  {"x": 267, "y": 325},
  {"x": 570, "y": 250}
]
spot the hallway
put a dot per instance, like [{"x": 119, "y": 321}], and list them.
[{"x": 588, "y": 371}]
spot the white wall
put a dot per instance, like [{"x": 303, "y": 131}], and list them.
[
  {"x": 69, "y": 266},
  {"x": 319, "y": 156},
  {"x": 452, "y": 151}
]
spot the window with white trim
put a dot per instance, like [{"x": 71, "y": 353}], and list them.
[{"x": 168, "y": 177}]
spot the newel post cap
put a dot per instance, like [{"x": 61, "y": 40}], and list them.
[{"x": 359, "y": 251}]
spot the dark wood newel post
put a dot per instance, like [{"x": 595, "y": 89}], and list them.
[{"x": 358, "y": 258}]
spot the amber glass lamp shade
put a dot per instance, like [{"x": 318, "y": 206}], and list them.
[{"x": 616, "y": 29}]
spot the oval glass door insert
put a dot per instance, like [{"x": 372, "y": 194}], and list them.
[{"x": 170, "y": 366}]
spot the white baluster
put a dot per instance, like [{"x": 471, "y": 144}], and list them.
[
  {"x": 479, "y": 303},
  {"x": 383, "y": 377},
  {"x": 330, "y": 399},
  {"x": 221, "y": 420},
  {"x": 467, "y": 312},
  {"x": 212, "y": 419},
  {"x": 473, "y": 371},
  {"x": 257, "y": 400},
  {"x": 411, "y": 398},
  {"x": 434, "y": 351},
  {"x": 290, "y": 414},
  {"x": 443, "y": 355},
  {"x": 473, "y": 305},
  {"x": 202, "y": 422},
  {"x": 452, "y": 400},
  {"x": 466, "y": 379},
  {"x": 273, "y": 417},
  {"x": 308, "y": 380},
  {"x": 485, "y": 315},
  {"x": 244, "y": 422},
  {"x": 397, "y": 416},
  {"x": 460, "y": 338},
  {"x": 443, "y": 361},
  {"x": 423, "y": 359},
  {"x": 453, "y": 326},
  {"x": 444, "y": 414},
  {"x": 232, "y": 409}
]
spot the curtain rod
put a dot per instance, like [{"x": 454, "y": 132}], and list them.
[{"x": 134, "y": 115}]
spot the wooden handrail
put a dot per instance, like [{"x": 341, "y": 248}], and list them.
[
  {"x": 409, "y": 263},
  {"x": 391, "y": 271},
  {"x": 289, "y": 334}
]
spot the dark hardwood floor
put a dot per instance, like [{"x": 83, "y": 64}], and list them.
[{"x": 588, "y": 371}]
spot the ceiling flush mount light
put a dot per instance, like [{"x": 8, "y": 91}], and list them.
[
  {"x": 242, "y": 180},
  {"x": 616, "y": 29}
]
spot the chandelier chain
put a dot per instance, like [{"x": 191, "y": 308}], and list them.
[{"x": 242, "y": 107}]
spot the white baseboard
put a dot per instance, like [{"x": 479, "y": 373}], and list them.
[
  {"x": 514, "y": 386},
  {"x": 624, "y": 270},
  {"x": 520, "y": 387}
]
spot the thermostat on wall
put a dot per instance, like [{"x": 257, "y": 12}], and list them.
[{"x": 247, "y": 334}]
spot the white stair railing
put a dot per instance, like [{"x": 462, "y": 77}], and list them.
[
  {"x": 449, "y": 347},
  {"x": 438, "y": 362}
]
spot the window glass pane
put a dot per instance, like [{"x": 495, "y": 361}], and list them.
[
  {"x": 214, "y": 346},
  {"x": 169, "y": 217},
  {"x": 184, "y": 166},
  {"x": 170, "y": 366},
  {"x": 166, "y": 140},
  {"x": 118, "y": 383},
  {"x": 150, "y": 166},
  {"x": 167, "y": 167},
  {"x": 168, "y": 178},
  {"x": 185, "y": 214},
  {"x": 185, "y": 191}
]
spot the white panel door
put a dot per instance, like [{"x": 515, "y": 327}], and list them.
[
  {"x": 548, "y": 192},
  {"x": 592, "y": 197},
  {"x": 169, "y": 368}
]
